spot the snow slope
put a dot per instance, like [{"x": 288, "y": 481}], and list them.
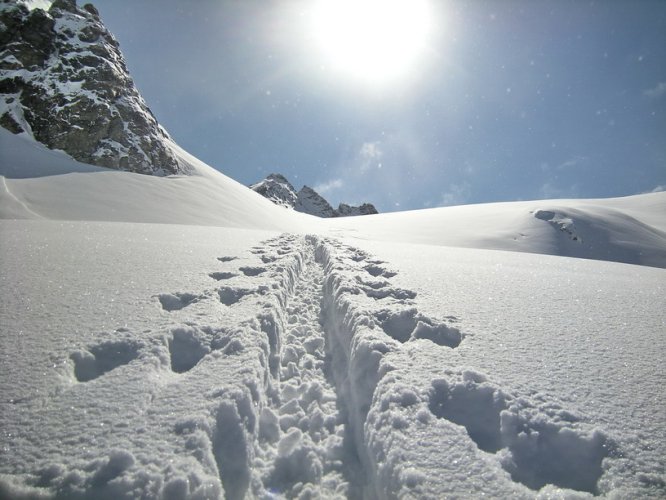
[
  {"x": 630, "y": 230},
  {"x": 240, "y": 350},
  {"x": 253, "y": 363},
  {"x": 41, "y": 183}
]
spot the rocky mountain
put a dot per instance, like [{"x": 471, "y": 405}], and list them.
[
  {"x": 64, "y": 81},
  {"x": 310, "y": 202},
  {"x": 280, "y": 191}
]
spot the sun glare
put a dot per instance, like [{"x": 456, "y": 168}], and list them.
[{"x": 372, "y": 40}]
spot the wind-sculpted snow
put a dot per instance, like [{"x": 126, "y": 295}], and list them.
[{"x": 277, "y": 370}]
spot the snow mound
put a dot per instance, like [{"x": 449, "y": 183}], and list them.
[{"x": 630, "y": 230}]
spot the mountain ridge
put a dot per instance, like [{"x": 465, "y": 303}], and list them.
[{"x": 277, "y": 188}]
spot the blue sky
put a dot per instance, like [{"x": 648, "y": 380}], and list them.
[{"x": 509, "y": 100}]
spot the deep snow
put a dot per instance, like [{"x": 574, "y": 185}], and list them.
[{"x": 239, "y": 349}]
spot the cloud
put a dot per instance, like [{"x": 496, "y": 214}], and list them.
[
  {"x": 369, "y": 155},
  {"x": 456, "y": 195},
  {"x": 572, "y": 162},
  {"x": 371, "y": 150},
  {"x": 658, "y": 189},
  {"x": 658, "y": 91},
  {"x": 382, "y": 170},
  {"x": 328, "y": 186}
]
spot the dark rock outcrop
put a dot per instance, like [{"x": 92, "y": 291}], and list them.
[
  {"x": 309, "y": 201},
  {"x": 64, "y": 81},
  {"x": 345, "y": 210}
]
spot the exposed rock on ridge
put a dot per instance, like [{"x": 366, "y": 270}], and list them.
[
  {"x": 280, "y": 191},
  {"x": 64, "y": 81},
  {"x": 310, "y": 202}
]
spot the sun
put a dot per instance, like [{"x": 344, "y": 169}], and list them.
[{"x": 375, "y": 41}]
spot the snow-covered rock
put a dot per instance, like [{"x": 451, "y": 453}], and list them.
[
  {"x": 63, "y": 81},
  {"x": 280, "y": 191}
]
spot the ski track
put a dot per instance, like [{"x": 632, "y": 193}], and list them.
[{"x": 324, "y": 400}]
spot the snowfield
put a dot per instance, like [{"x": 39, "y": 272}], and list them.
[{"x": 183, "y": 337}]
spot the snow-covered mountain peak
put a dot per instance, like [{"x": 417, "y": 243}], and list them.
[
  {"x": 63, "y": 81},
  {"x": 280, "y": 191}
]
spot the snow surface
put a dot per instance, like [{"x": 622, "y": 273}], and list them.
[
  {"x": 41, "y": 183},
  {"x": 237, "y": 349}
]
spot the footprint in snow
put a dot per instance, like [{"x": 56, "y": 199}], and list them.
[
  {"x": 376, "y": 270},
  {"x": 101, "y": 358},
  {"x": 230, "y": 295},
  {"x": 188, "y": 345},
  {"x": 178, "y": 300},
  {"x": 538, "y": 449},
  {"x": 226, "y": 259},
  {"x": 383, "y": 293},
  {"x": 218, "y": 276},
  {"x": 252, "y": 271},
  {"x": 408, "y": 324}
]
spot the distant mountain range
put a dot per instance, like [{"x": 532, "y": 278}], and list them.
[{"x": 280, "y": 191}]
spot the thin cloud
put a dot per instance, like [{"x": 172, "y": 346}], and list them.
[
  {"x": 369, "y": 155},
  {"x": 456, "y": 195},
  {"x": 328, "y": 186},
  {"x": 658, "y": 91},
  {"x": 572, "y": 162}
]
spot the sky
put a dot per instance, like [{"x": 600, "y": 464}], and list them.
[{"x": 461, "y": 102}]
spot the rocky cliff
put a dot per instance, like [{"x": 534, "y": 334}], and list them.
[{"x": 64, "y": 81}]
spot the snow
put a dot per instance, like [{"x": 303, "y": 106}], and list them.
[
  {"x": 630, "y": 229},
  {"x": 183, "y": 337},
  {"x": 36, "y": 4},
  {"x": 51, "y": 185}
]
